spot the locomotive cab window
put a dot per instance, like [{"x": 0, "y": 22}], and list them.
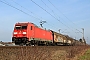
[
  {"x": 17, "y": 27},
  {"x": 24, "y": 27}
]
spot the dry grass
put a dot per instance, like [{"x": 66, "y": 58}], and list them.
[{"x": 40, "y": 52}]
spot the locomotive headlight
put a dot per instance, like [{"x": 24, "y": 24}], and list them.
[
  {"x": 24, "y": 32},
  {"x": 15, "y": 32}
]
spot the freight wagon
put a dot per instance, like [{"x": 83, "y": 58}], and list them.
[
  {"x": 29, "y": 34},
  {"x": 60, "y": 39}
]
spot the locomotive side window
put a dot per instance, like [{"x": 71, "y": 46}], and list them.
[
  {"x": 31, "y": 28},
  {"x": 24, "y": 27}
]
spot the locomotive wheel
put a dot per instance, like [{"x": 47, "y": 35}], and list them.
[
  {"x": 47, "y": 44},
  {"x": 21, "y": 44},
  {"x": 28, "y": 44}
]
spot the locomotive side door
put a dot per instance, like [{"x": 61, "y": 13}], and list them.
[{"x": 31, "y": 32}]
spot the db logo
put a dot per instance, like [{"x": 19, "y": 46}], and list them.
[{"x": 20, "y": 32}]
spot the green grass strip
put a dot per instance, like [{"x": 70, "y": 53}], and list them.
[{"x": 86, "y": 56}]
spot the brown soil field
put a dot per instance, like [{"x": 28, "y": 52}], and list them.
[{"x": 41, "y": 52}]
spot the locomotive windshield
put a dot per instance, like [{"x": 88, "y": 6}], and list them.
[
  {"x": 20, "y": 27},
  {"x": 24, "y": 27},
  {"x": 17, "y": 27}
]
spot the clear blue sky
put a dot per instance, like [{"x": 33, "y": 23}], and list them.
[{"x": 67, "y": 15}]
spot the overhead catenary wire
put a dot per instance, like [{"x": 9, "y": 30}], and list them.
[
  {"x": 48, "y": 7},
  {"x": 63, "y": 14},
  {"x": 51, "y": 10},
  {"x": 5, "y": 2},
  {"x": 26, "y": 9},
  {"x": 19, "y": 9},
  {"x": 43, "y": 9},
  {"x": 23, "y": 11},
  {"x": 56, "y": 14},
  {"x": 50, "y": 14},
  {"x": 32, "y": 13}
]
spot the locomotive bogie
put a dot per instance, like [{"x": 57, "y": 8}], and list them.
[{"x": 19, "y": 41}]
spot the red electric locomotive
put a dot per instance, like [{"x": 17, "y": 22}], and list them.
[{"x": 29, "y": 34}]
